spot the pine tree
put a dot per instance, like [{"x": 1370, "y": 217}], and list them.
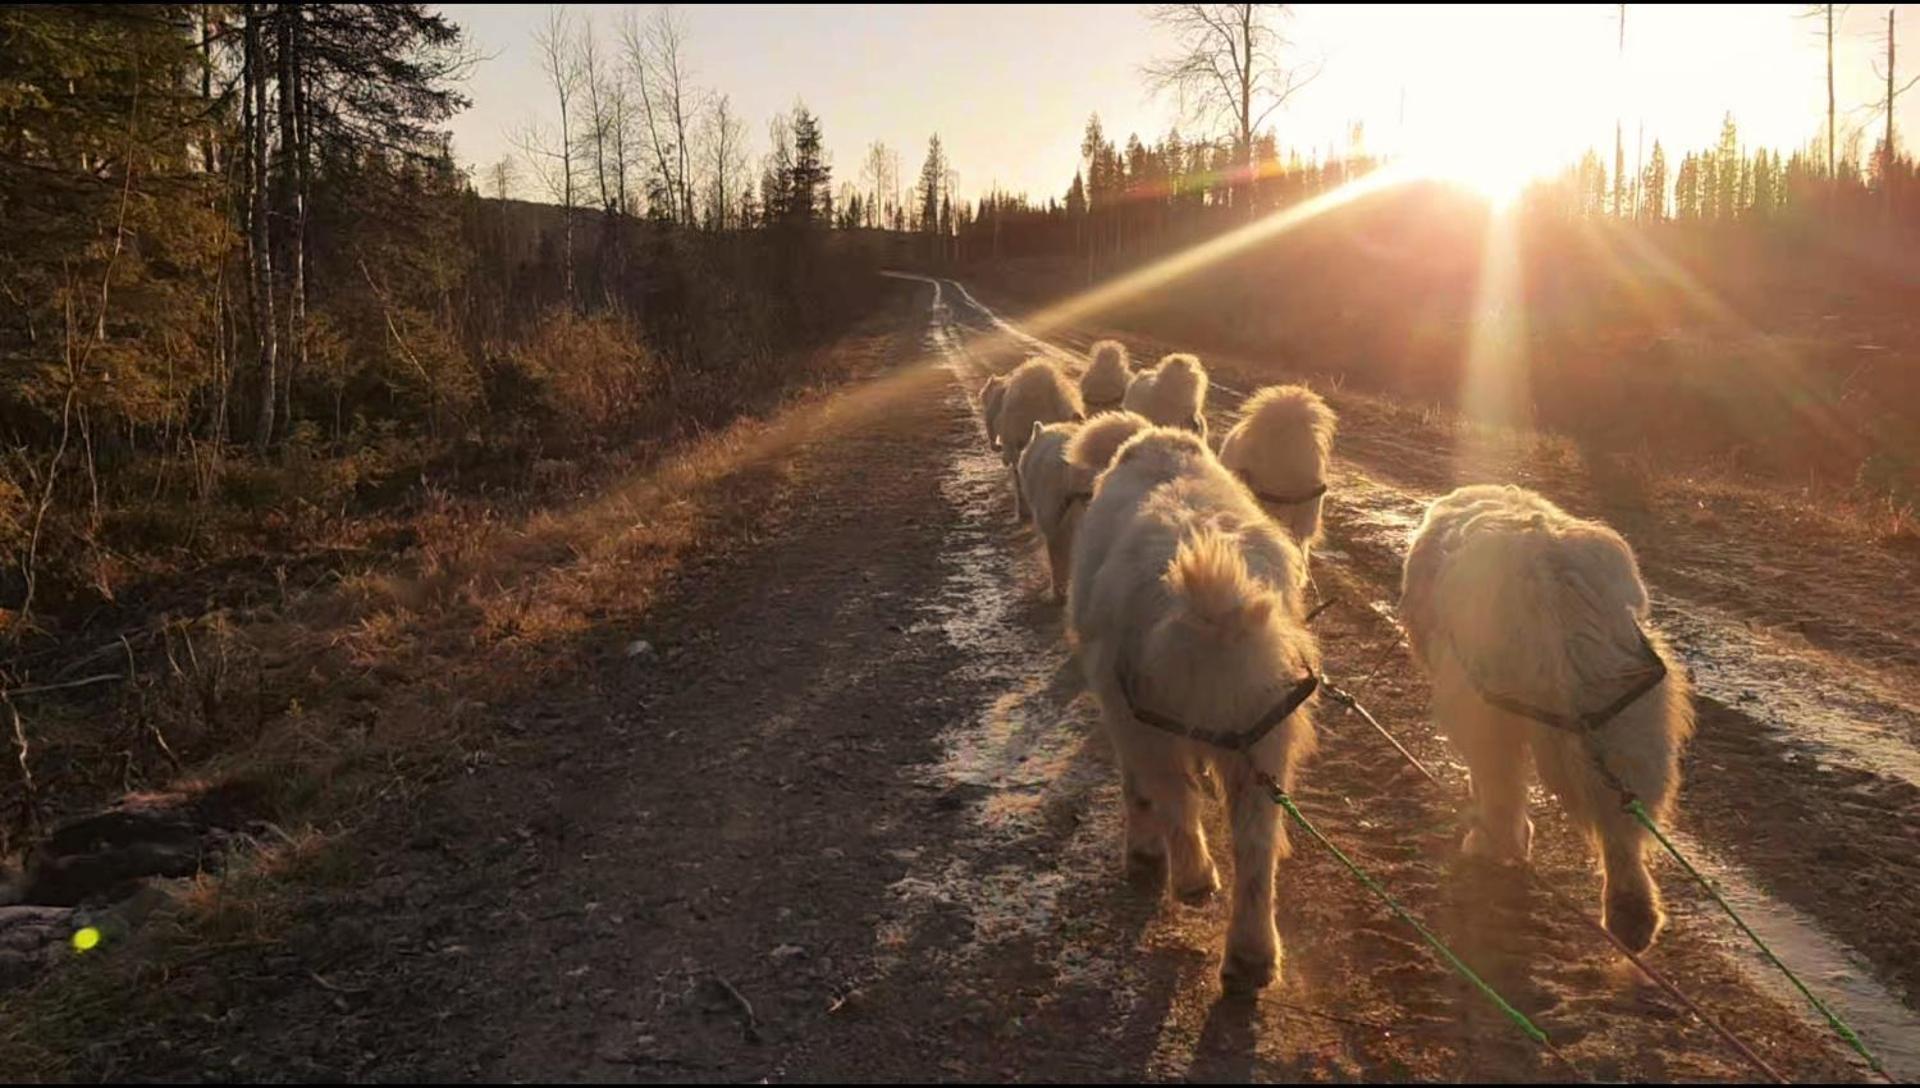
[
  {"x": 1653, "y": 186},
  {"x": 1077, "y": 196},
  {"x": 1727, "y": 171},
  {"x": 930, "y": 188},
  {"x": 105, "y": 140},
  {"x": 1764, "y": 184},
  {"x": 809, "y": 182},
  {"x": 1707, "y": 186},
  {"x": 1685, "y": 207}
]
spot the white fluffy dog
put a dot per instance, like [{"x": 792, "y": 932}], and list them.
[
  {"x": 1104, "y": 384},
  {"x": 1057, "y": 470},
  {"x": 992, "y": 396},
  {"x": 1186, "y": 603},
  {"x": 1282, "y": 447},
  {"x": 1094, "y": 447},
  {"x": 1037, "y": 391},
  {"x": 1522, "y": 612},
  {"x": 1172, "y": 394},
  {"x": 1055, "y": 492}
]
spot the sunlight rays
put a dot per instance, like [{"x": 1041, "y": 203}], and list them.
[
  {"x": 1495, "y": 387},
  {"x": 1189, "y": 261},
  {"x": 1776, "y": 368}
]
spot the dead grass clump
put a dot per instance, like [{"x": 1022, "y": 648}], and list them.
[{"x": 593, "y": 374}]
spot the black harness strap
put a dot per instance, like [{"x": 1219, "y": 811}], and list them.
[
  {"x": 1593, "y": 719},
  {"x": 1587, "y": 726},
  {"x": 1291, "y": 500},
  {"x": 1232, "y": 742},
  {"x": 1309, "y": 495}
]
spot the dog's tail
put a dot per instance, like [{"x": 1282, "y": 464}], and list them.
[{"x": 1213, "y": 594}]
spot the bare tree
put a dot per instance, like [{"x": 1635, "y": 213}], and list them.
[
  {"x": 1826, "y": 13},
  {"x": 502, "y": 177},
  {"x": 1832, "y": 167},
  {"x": 878, "y": 174},
  {"x": 597, "y": 133},
  {"x": 1887, "y": 140},
  {"x": 554, "y": 164},
  {"x": 1888, "y": 149},
  {"x": 1619, "y": 145},
  {"x": 1227, "y": 70},
  {"x": 725, "y": 145},
  {"x": 681, "y": 100},
  {"x": 619, "y": 98},
  {"x": 669, "y": 105},
  {"x": 899, "y": 207}
]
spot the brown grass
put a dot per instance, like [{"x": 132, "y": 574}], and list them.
[{"x": 345, "y": 699}]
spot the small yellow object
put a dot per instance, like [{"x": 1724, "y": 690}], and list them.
[{"x": 86, "y": 939}]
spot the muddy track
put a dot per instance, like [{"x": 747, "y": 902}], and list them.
[{"x": 853, "y": 820}]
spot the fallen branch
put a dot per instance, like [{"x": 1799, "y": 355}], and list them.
[
  {"x": 41, "y": 688},
  {"x": 29, "y": 802}
]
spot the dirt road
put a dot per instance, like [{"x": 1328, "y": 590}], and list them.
[{"x": 849, "y": 818}]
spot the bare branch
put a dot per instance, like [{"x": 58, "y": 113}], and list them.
[{"x": 1225, "y": 66}]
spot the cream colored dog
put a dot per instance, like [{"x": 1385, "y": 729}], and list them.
[
  {"x": 1104, "y": 384},
  {"x": 1037, "y": 391},
  {"x": 1186, "y": 606},
  {"x": 1522, "y": 612},
  {"x": 1283, "y": 448},
  {"x": 1172, "y": 394},
  {"x": 1055, "y": 495}
]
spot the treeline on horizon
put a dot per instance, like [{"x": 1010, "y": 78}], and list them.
[{"x": 1124, "y": 197}]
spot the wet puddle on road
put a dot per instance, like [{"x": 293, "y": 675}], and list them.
[{"x": 1020, "y": 749}]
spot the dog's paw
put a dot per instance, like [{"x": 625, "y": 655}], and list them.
[
  {"x": 1146, "y": 871},
  {"x": 1196, "y": 891},
  {"x": 1241, "y": 973}
]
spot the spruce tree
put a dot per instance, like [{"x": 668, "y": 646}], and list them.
[{"x": 809, "y": 182}]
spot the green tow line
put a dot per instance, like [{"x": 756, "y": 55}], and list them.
[
  {"x": 1639, "y": 812},
  {"x": 1519, "y": 1018}
]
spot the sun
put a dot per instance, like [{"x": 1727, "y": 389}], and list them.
[{"x": 1496, "y": 171}]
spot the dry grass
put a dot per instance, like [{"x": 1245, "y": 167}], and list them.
[
  {"x": 406, "y": 662},
  {"x": 1856, "y": 514},
  {"x": 346, "y": 699}
]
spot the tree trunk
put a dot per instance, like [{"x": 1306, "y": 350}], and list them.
[
  {"x": 1832, "y": 135},
  {"x": 1888, "y": 165},
  {"x": 303, "y": 114},
  {"x": 1619, "y": 144},
  {"x": 292, "y": 211},
  {"x": 259, "y": 238},
  {"x": 207, "y": 153},
  {"x": 1246, "y": 106},
  {"x": 1886, "y": 152}
]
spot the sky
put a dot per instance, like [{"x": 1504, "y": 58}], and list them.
[{"x": 1009, "y": 87}]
